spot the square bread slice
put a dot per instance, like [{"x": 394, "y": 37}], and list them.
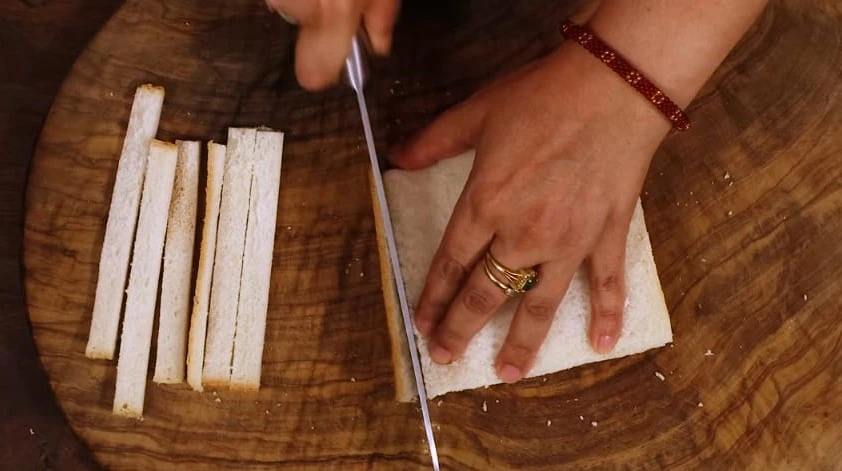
[
  {"x": 177, "y": 274},
  {"x": 122, "y": 216},
  {"x": 142, "y": 293},
  {"x": 228, "y": 262},
  {"x": 257, "y": 261},
  {"x": 421, "y": 203},
  {"x": 201, "y": 299}
]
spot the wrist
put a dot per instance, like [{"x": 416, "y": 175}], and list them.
[
  {"x": 677, "y": 45},
  {"x": 605, "y": 96}
]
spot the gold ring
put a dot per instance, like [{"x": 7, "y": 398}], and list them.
[{"x": 512, "y": 282}]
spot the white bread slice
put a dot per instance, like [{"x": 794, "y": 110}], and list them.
[
  {"x": 257, "y": 261},
  {"x": 421, "y": 203},
  {"x": 199, "y": 317},
  {"x": 122, "y": 216},
  {"x": 178, "y": 267},
  {"x": 142, "y": 293},
  {"x": 228, "y": 262}
]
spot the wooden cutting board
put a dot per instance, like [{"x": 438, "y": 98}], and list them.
[{"x": 744, "y": 212}]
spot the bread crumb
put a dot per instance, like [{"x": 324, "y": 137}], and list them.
[
  {"x": 362, "y": 274},
  {"x": 731, "y": 183},
  {"x": 312, "y": 427},
  {"x": 545, "y": 379},
  {"x": 31, "y": 432},
  {"x": 660, "y": 375},
  {"x": 497, "y": 401},
  {"x": 353, "y": 380},
  {"x": 805, "y": 296},
  {"x": 594, "y": 423},
  {"x": 701, "y": 405},
  {"x": 289, "y": 228},
  {"x": 575, "y": 399},
  {"x": 438, "y": 427},
  {"x": 214, "y": 393},
  {"x": 582, "y": 418},
  {"x": 484, "y": 406},
  {"x": 218, "y": 400},
  {"x": 730, "y": 213},
  {"x": 708, "y": 353},
  {"x": 278, "y": 405},
  {"x": 549, "y": 422},
  {"x": 439, "y": 403},
  {"x": 727, "y": 176},
  {"x": 267, "y": 411}
]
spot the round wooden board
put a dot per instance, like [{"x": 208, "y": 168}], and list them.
[{"x": 744, "y": 212}]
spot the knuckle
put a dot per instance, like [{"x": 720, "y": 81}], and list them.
[
  {"x": 452, "y": 338},
  {"x": 449, "y": 269},
  {"x": 606, "y": 282},
  {"x": 520, "y": 353},
  {"x": 479, "y": 301},
  {"x": 540, "y": 312},
  {"x": 609, "y": 311}
]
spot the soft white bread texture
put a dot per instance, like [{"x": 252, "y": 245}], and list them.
[
  {"x": 142, "y": 292},
  {"x": 257, "y": 261},
  {"x": 122, "y": 215},
  {"x": 228, "y": 262},
  {"x": 201, "y": 299},
  {"x": 421, "y": 203},
  {"x": 171, "y": 352}
]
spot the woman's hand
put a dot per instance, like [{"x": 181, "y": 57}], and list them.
[
  {"x": 562, "y": 148},
  {"x": 326, "y": 30}
]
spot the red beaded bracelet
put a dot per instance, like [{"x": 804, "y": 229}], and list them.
[{"x": 590, "y": 41}]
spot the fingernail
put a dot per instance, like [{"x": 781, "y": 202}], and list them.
[
  {"x": 605, "y": 344},
  {"x": 509, "y": 373},
  {"x": 440, "y": 355}
]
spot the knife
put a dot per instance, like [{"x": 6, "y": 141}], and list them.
[{"x": 355, "y": 75}]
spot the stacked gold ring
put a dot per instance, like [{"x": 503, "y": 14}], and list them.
[{"x": 512, "y": 282}]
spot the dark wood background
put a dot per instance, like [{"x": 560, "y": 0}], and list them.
[
  {"x": 40, "y": 40},
  {"x": 744, "y": 213}
]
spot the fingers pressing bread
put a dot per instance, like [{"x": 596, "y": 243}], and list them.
[
  {"x": 532, "y": 321},
  {"x": 607, "y": 287}
]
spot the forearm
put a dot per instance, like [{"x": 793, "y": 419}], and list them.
[{"x": 677, "y": 44}]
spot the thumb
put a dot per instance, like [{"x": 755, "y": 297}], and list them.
[{"x": 454, "y": 132}]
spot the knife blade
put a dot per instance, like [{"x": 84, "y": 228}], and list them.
[{"x": 355, "y": 75}]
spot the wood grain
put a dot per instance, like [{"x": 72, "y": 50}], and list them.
[{"x": 743, "y": 212}]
